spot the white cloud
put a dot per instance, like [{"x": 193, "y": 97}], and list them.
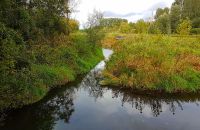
[
  {"x": 129, "y": 9},
  {"x": 112, "y": 14}
]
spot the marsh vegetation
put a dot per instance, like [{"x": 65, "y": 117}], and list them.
[{"x": 162, "y": 63}]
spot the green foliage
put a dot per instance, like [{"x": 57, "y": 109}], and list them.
[
  {"x": 125, "y": 27},
  {"x": 191, "y": 9},
  {"x": 73, "y": 25},
  {"x": 196, "y": 22},
  {"x": 163, "y": 24},
  {"x": 95, "y": 35},
  {"x": 175, "y": 17},
  {"x": 141, "y": 26},
  {"x": 54, "y": 75},
  {"x": 168, "y": 21},
  {"x": 153, "y": 29},
  {"x": 184, "y": 27},
  {"x": 195, "y": 31},
  {"x": 160, "y": 12},
  {"x": 37, "y": 50},
  {"x": 159, "y": 63},
  {"x": 56, "y": 66},
  {"x": 112, "y": 22},
  {"x": 93, "y": 27}
]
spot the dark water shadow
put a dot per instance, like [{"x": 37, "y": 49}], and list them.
[{"x": 56, "y": 105}]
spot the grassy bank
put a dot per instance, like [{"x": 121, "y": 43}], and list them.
[
  {"x": 155, "y": 62},
  {"x": 50, "y": 66}
]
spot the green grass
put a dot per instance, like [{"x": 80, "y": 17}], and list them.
[
  {"x": 57, "y": 65},
  {"x": 52, "y": 75},
  {"x": 155, "y": 62}
]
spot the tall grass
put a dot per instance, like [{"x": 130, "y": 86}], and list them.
[{"x": 155, "y": 62}]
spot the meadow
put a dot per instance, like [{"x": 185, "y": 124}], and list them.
[{"x": 166, "y": 63}]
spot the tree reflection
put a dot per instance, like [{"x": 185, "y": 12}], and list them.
[
  {"x": 139, "y": 100},
  {"x": 91, "y": 84},
  {"x": 60, "y": 107},
  {"x": 45, "y": 114},
  {"x": 155, "y": 102}
]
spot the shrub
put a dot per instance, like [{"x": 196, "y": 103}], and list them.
[
  {"x": 184, "y": 27},
  {"x": 195, "y": 31}
]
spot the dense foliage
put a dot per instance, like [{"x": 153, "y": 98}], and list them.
[
  {"x": 168, "y": 20},
  {"x": 40, "y": 47}
]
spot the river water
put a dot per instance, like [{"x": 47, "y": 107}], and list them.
[{"x": 85, "y": 105}]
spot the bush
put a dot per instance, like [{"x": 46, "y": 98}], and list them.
[
  {"x": 184, "y": 27},
  {"x": 195, "y": 31}
]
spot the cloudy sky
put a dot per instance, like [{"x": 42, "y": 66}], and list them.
[{"x": 128, "y": 9}]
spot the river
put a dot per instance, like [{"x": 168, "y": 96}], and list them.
[{"x": 85, "y": 105}]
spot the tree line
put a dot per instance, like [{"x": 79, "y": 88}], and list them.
[{"x": 182, "y": 18}]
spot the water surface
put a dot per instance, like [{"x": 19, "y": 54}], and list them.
[{"x": 84, "y": 105}]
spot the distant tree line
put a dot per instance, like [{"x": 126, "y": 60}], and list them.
[{"x": 183, "y": 18}]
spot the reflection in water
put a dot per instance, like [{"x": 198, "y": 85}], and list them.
[
  {"x": 91, "y": 80},
  {"x": 91, "y": 83},
  {"x": 43, "y": 116},
  {"x": 138, "y": 101},
  {"x": 155, "y": 103},
  {"x": 71, "y": 108},
  {"x": 59, "y": 108}
]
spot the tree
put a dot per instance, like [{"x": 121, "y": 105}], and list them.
[
  {"x": 183, "y": 9},
  {"x": 184, "y": 27},
  {"x": 191, "y": 9},
  {"x": 73, "y": 25},
  {"x": 124, "y": 27},
  {"x": 94, "y": 19},
  {"x": 141, "y": 26},
  {"x": 178, "y": 2},
  {"x": 153, "y": 28},
  {"x": 94, "y": 28},
  {"x": 160, "y": 12},
  {"x": 175, "y": 17},
  {"x": 111, "y": 22},
  {"x": 163, "y": 24},
  {"x": 196, "y": 22}
]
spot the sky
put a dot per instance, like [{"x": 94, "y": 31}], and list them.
[{"x": 131, "y": 10}]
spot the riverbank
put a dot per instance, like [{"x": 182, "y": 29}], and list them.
[
  {"x": 66, "y": 108},
  {"x": 155, "y": 62},
  {"x": 57, "y": 65}
]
